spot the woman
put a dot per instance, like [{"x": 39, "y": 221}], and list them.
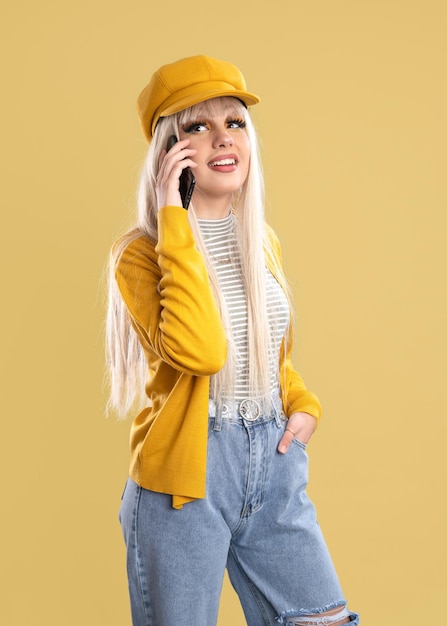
[{"x": 199, "y": 327}]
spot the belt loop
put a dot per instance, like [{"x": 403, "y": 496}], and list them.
[
  {"x": 217, "y": 426},
  {"x": 277, "y": 417},
  {"x": 278, "y": 411}
]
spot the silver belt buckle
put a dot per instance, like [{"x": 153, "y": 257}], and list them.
[{"x": 249, "y": 409}]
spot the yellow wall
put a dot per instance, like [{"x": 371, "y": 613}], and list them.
[{"x": 354, "y": 136}]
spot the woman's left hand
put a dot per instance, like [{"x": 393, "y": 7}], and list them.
[{"x": 300, "y": 426}]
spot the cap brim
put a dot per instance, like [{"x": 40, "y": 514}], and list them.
[{"x": 194, "y": 97}]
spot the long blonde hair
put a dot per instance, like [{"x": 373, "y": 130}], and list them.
[{"x": 127, "y": 366}]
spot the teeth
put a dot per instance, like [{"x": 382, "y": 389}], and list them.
[{"x": 224, "y": 162}]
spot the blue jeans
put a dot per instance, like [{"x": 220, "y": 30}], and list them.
[{"x": 256, "y": 520}]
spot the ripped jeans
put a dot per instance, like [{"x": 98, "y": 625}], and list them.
[{"x": 256, "y": 521}]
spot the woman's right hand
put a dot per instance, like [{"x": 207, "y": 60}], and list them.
[{"x": 171, "y": 165}]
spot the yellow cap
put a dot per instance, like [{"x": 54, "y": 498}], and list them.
[{"x": 177, "y": 86}]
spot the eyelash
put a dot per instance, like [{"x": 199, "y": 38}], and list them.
[
  {"x": 191, "y": 128},
  {"x": 240, "y": 123}
]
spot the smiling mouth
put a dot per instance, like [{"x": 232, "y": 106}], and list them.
[{"x": 222, "y": 162}]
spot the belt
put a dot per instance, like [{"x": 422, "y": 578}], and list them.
[{"x": 248, "y": 408}]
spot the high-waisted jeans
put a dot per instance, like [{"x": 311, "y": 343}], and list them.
[{"x": 256, "y": 520}]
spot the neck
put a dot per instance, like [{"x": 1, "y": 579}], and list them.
[{"x": 207, "y": 208}]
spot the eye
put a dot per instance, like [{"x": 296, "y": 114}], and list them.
[
  {"x": 238, "y": 123},
  {"x": 196, "y": 127}
]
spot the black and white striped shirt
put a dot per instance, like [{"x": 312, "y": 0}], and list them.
[{"x": 220, "y": 240}]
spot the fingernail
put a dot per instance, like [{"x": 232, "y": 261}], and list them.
[{"x": 282, "y": 448}]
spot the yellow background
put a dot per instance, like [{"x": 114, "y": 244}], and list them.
[{"x": 353, "y": 128}]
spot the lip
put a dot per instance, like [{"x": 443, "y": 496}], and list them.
[{"x": 224, "y": 161}]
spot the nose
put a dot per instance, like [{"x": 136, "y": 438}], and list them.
[{"x": 222, "y": 138}]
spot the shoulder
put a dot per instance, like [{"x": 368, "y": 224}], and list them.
[
  {"x": 132, "y": 241},
  {"x": 134, "y": 247}
]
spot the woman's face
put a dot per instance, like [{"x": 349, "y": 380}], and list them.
[{"x": 216, "y": 129}]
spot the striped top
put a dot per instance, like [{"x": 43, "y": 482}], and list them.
[{"x": 220, "y": 240}]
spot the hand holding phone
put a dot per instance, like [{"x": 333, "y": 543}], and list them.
[{"x": 187, "y": 180}]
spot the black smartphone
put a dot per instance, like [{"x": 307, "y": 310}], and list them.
[{"x": 187, "y": 180}]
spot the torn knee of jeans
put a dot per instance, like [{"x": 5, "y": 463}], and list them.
[{"x": 327, "y": 616}]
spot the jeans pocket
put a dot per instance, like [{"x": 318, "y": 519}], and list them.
[
  {"x": 299, "y": 443},
  {"x": 296, "y": 441}
]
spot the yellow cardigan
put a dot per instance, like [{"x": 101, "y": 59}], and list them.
[{"x": 168, "y": 295}]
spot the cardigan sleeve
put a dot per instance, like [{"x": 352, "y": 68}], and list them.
[
  {"x": 167, "y": 292},
  {"x": 296, "y": 396}
]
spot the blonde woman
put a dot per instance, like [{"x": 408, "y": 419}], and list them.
[{"x": 199, "y": 335}]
